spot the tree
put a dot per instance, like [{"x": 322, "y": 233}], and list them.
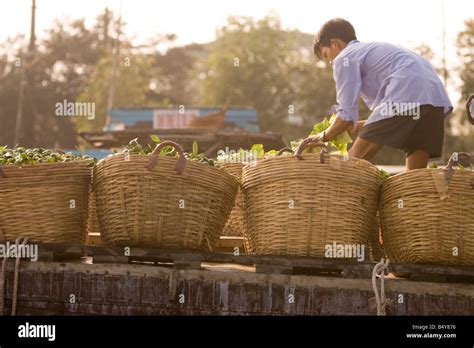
[
  {"x": 175, "y": 75},
  {"x": 132, "y": 85},
  {"x": 465, "y": 44},
  {"x": 57, "y": 70},
  {"x": 258, "y": 64},
  {"x": 464, "y": 140}
]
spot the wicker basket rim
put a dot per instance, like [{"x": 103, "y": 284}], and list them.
[
  {"x": 216, "y": 169},
  {"x": 314, "y": 155},
  {"x": 423, "y": 171},
  {"x": 10, "y": 167}
]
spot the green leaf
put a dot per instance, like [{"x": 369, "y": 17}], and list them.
[
  {"x": 271, "y": 153},
  {"x": 295, "y": 143},
  {"x": 195, "y": 149},
  {"x": 383, "y": 174},
  {"x": 321, "y": 126},
  {"x": 155, "y": 138},
  {"x": 258, "y": 150},
  {"x": 340, "y": 142}
]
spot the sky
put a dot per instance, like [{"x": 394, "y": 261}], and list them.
[{"x": 403, "y": 22}]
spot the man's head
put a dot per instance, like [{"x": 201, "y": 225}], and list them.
[{"x": 332, "y": 38}]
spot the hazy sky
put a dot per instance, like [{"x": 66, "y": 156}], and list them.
[{"x": 404, "y": 22}]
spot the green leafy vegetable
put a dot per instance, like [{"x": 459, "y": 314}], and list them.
[
  {"x": 257, "y": 149},
  {"x": 195, "y": 149},
  {"x": 155, "y": 139},
  {"x": 383, "y": 174},
  {"x": 272, "y": 153},
  {"x": 24, "y": 156},
  {"x": 340, "y": 142},
  {"x": 135, "y": 148}
]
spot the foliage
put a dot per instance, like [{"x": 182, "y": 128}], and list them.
[
  {"x": 56, "y": 70},
  {"x": 132, "y": 86},
  {"x": 340, "y": 142},
  {"x": 24, "y": 156},
  {"x": 257, "y": 63},
  {"x": 135, "y": 148}
]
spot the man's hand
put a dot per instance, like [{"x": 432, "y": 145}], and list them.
[
  {"x": 337, "y": 127},
  {"x": 317, "y": 137}
]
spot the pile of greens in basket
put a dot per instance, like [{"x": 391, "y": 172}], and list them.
[
  {"x": 24, "y": 156},
  {"x": 256, "y": 152},
  {"x": 135, "y": 148}
]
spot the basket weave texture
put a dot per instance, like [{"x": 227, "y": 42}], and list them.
[
  {"x": 46, "y": 202},
  {"x": 93, "y": 225},
  {"x": 427, "y": 216},
  {"x": 235, "y": 225},
  {"x": 165, "y": 202},
  {"x": 298, "y": 207}
]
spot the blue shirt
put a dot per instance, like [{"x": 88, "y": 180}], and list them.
[{"x": 390, "y": 79}]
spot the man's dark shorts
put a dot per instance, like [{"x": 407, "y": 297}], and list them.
[{"x": 410, "y": 132}]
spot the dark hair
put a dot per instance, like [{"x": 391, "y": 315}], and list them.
[{"x": 336, "y": 28}]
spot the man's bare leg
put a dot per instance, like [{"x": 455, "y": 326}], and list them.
[
  {"x": 364, "y": 149},
  {"x": 417, "y": 160}
]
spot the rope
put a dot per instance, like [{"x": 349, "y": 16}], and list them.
[
  {"x": 19, "y": 241},
  {"x": 379, "y": 271},
  {"x": 17, "y": 271}
]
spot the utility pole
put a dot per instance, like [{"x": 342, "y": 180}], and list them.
[
  {"x": 23, "y": 82},
  {"x": 445, "y": 70},
  {"x": 445, "y": 76},
  {"x": 31, "y": 47},
  {"x": 110, "y": 102}
]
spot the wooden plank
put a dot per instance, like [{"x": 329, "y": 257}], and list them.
[
  {"x": 271, "y": 269},
  {"x": 439, "y": 278},
  {"x": 226, "y": 242},
  {"x": 110, "y": 259},
  {"x": 432, "y": 269},
  {"x": 94, "y": 238},
  {"x": 299, "y": 265}
]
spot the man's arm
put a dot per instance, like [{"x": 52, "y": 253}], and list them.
[
  {"x": 347, "y": 76},
  {"x": 337, "y": 127}
]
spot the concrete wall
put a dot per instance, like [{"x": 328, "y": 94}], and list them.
[{"x": 108, "y": 289}]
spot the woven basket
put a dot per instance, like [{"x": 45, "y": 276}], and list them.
[
  {"x": 93, "y": 220},
  {"x": 165, "y": 202},
  {"x": 299, "y": 205},
  {"x": 375, "y": 246},
  {"x": 427, "y": 216},
  {"x": 46, "y": 202},
  {"x": 93, "y": 225},
  {"x": 235, "y": 226}
]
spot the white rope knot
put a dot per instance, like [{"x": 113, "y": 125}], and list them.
[{"x": 379, "y": 272}]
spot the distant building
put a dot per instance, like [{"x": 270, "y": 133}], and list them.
[{"x": 178, "y": 118}]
